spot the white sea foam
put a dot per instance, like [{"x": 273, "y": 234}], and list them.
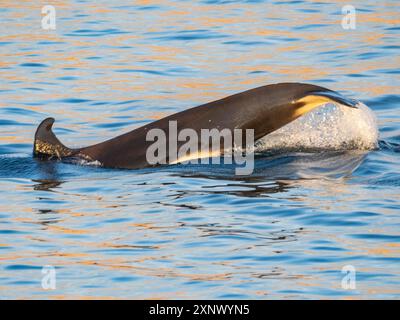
[
  {"x": 83, "y": 162},
  {"x": 329, "y": 127},
  {"x": 15, "y": 155}
]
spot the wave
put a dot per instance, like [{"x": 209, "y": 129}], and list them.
[{"x": 329, "y": 127}]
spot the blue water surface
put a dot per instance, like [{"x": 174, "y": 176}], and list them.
[{"x": 200, "y": 232}]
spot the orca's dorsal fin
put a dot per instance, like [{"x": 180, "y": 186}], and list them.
[{"x": 46, "y": 144}]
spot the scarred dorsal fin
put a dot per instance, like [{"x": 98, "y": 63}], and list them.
[{"x": 46, "y": 144}]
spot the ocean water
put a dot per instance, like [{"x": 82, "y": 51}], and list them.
[{"x": 286, "y": 231}]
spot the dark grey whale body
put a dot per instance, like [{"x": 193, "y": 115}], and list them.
[{"x": 263, "y": 109}]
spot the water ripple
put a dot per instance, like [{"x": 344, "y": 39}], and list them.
[{"x": 196, "y": 231}]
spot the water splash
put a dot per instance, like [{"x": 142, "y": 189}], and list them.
[
  {"x": 329, "y": 127},
  {"x": 83, "y": 162}
]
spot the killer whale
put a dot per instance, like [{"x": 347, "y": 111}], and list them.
[{"x": 263, "y": 109}]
